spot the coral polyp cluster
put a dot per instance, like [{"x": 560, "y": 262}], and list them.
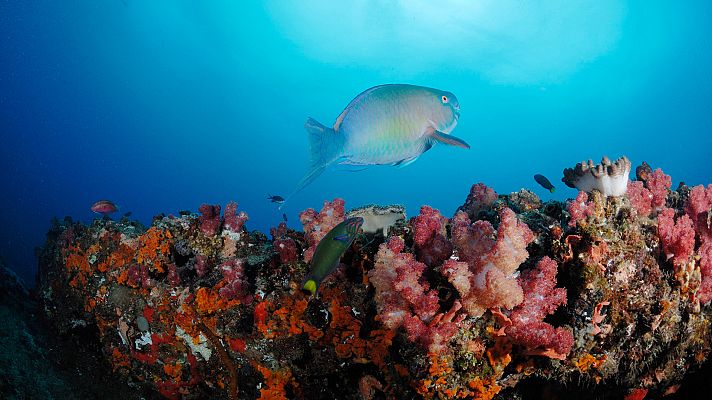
[{"x": 609, "y": 295}]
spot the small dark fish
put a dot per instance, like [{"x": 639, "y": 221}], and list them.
[
  {"x": 284, "y": 217},
  {"x": 128, "y": 214},
  {"x": 183, "y": 213},
  {"x": 275, "y": 199},
  {"x": 329, "y": 251},
  {"x": 104, "y": 207},
  {"x": 541, "y": 179}
]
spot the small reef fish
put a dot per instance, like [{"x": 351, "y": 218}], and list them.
[
  {"x": 275, "y": 199},
  {"x": 284, "y": 217},
  {"x": 329, "y": 251},
  {"x": 385, "y": 125},
  {"x": 104, "y": 207},
  {"x": 544, "y": 182}
]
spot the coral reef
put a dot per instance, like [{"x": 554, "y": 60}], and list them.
[{"x": 600, "y": 296}]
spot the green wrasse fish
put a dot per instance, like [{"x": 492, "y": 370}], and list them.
[
  {"x": 329, "y": 251},
  {"x": 385, "y": 125}
]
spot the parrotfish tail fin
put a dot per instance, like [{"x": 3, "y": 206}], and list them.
[
  {"x": 311, "y": 285},
  {"x": 444, "y": 138},
  {"x": 326, "y": 146},
  {"x": 552, "y": 190}
]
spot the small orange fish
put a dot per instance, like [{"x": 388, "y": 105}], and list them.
[{"x": 104, "y": 207}]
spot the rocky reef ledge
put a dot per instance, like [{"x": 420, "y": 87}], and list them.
[{"x": 509, "y": 298}]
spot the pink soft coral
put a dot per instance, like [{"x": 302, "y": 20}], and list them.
[
  {"x": 430, "y": 231},
  {"x": 235, "y": 281},
  {"x": 285, "y": 246},
  {"x": 659, "y": 185},
  {"x": 480, "y": 198},
  {"x": 699, "y": 208},
  {"x": 649, "y": 195},
  {"x": 317, "y": 225},
  {"x": 209, "y": 219},
  {"x": 677, "y": 237},
  {"x": 234, "y": 221},
  {"x": 541, "y": 298},
  {"x": 484, "y": 276},
  {"x": 580, "y": 208},
  {"x": 403, "y": 298}
]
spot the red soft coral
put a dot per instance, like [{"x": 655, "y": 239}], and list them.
[
  {"x": 484, "y": 278},
  {"x": 541, "y": 298},
  {"x": 317, "y": 225}
]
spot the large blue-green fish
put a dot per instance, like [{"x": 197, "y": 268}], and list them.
[
  {"x": 385, "y": 125},
  {"x": 329, "y": 251}
]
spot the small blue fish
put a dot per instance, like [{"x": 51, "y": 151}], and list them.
[{"x": 385, "y": 125}]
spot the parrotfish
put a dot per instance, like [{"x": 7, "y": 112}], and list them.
[
  {"x": 329, "y": 251},
  {"x": 385, "y": 125},
  {"x": 104, "y": 207},
  {"x": 544, "y": 182}
]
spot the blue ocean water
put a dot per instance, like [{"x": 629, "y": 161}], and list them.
[{"x": 163, "y": 105}]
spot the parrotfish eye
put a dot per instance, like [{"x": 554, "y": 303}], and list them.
[{"x": 444, "y": 99}]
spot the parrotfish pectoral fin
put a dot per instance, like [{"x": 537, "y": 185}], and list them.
[
  {"x": 444, "y": 138},
  {"x": 325, "y": 145}
]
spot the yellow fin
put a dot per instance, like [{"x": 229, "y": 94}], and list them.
[{"x": 310, "y": 285}]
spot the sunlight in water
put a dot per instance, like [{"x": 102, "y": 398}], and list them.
[{"x": 504, "y": 41}]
